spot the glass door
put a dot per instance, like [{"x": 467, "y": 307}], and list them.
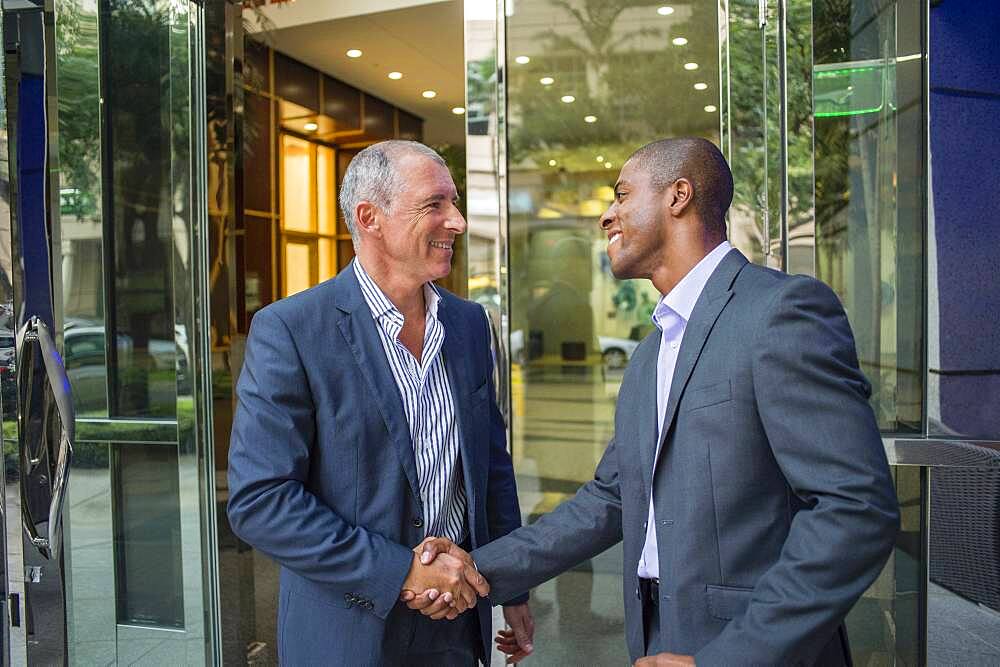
[{"x": 125, "y": 229}]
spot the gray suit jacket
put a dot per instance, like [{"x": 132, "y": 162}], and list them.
[{"x": 774, "y": 504}]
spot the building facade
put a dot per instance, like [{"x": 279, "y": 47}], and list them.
[{"x": 171, "y": 167}]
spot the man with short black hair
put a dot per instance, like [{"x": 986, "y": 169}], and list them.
[{"x": 746, "y": 474}]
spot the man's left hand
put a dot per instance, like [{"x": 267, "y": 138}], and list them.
[
  {"x": 665, "y": 660},
  {"x": 517, "y": 642}
]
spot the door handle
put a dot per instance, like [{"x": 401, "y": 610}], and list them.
[{"x": 46, "y": 424}]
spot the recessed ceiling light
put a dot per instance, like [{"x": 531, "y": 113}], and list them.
[
  {"x": 546, "y": 81},
  {"x": 590, "y": 119},
  {"x": 711, "y": 108},
  {"x": 600, "y": 158},
  {"x": 458, "y": 111},
  {"x": 552, "y": 163},
  {"x": 679, "y": 41},
  {"x": 665, "y": 11},
  {"x": 354, "y": 53},
  {"x": 395, "y": 76},
  {"x": 690, "y": 66},
  {"x": 607, "y": 165},
  {"x": 429, "y": 94},
  {"x": 701, "y": 86},
  {"x": 522, "y": 60},
  {"x": 311, "y": 126},
  {"x": 568, "y": 99}
]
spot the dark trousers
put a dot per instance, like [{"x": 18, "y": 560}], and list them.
[
  {"x": 413, "y": 640},
  {"x": 649, "y": 593}
]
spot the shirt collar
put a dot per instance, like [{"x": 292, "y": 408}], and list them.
[
  {"x": 380, "y": 304},
  {"x": 680, "y": 301}
]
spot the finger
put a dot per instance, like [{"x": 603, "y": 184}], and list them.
[
  {"x": 407, "y": 595},
  {"x": 424, "y": 600},
  {"x": 522, "y": 636},
  {"x": 477, "y": 581},
  {"x": 452, "y": 614},
  {"x": 468, "y": 596},
  {"x": 437, "y": 610},
  {"x": 442, "y": 613}
]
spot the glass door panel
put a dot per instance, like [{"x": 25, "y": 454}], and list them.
[{"x": 132, "y": 217}]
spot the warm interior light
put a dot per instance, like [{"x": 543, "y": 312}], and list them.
[
  {"x": 522, "y": 60},
  {"x": 600, "y": 158},
  {"x": 665, "y": 11},
  {"x": 311, "y": 126},
  {"x": 354, "y": 53},
  {"x": 690, "y": 66},
  {"x": 701, "y": 86},
  {"x": 568, "y": 99},
  {"x": 711, "y": 108},
  {"x": 546, "y": 81},
  {"x": 395, "y": 76},
  {"x": 552, "y": 163},
  {"x": 429, "y": 94},
  {"x": 607, "y": 165},
  {"x": 679, "y": 41},
  {"x": 458, "y": 111},
  {"x": 590, "y": 119}
]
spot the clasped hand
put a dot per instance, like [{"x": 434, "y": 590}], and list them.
[{"x": 443, "y": 581}]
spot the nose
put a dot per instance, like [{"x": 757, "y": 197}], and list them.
[
  {"x": 456, "y": 223},
  {"x": 607, "y": 218}
]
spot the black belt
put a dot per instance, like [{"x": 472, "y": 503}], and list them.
[{"x": 649, "y": 590}]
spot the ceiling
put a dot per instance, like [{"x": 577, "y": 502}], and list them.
[{"x": 424, "y": 42}]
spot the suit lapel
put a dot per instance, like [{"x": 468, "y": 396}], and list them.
[
  {"x": 711, "y": 303},
  {"x": 362, "y": 336},
  {"x": 457, "y": 365}
]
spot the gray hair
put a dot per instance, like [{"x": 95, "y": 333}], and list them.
[{"x": 372, "y": 176}]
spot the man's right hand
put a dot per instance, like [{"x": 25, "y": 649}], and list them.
[
  {"x": 443, "y": 581},
  {"x": 437, "y": 602}
]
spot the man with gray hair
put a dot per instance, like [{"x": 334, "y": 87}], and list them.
[{"x": 366, "y": 423}]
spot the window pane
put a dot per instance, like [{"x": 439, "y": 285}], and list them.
[
  {"x": 298, "y": 188},
  {"x": 869, "y": 193},
  {"x": 599, "y": 82},
  {"x": 298, "y": 267},
  {"x": 148, "y": 575},
  {"x": 326, "y": 193}
]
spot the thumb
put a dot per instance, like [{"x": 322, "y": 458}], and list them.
[
  {"x": 407, "y": 595},
  {"x": 431, "y": 548}
]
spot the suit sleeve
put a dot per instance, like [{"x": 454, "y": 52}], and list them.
[
  {"x": 813, "y": 403},
  {"x": 269, "y": 504},
  {"x": 578, "y": 529}
]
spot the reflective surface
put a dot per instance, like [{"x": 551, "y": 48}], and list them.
[{"x": 602, "y": 79}]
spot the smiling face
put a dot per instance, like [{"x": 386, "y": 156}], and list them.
[
  {"x": 635, "y": 224},
  {"x": 419, "y": 230}
]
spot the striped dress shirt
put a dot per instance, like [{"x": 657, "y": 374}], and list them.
[{"x": 429, "y": 406}]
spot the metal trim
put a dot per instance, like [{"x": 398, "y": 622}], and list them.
[
  {"x": 942, "y": 453},
  {"x": 127, "y": 431}
]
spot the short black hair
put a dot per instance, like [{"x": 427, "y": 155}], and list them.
[{"x": 700, "y": 162}]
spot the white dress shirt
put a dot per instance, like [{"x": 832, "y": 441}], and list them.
[
  {"x": 671, "y": 317},
  {"x": 429, "y": 406}
]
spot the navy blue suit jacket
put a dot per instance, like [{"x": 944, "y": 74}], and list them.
[
  {"x": 322, "y": 476},
  {"x": 774, "y": 503}
]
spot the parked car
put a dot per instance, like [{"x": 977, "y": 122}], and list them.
[{"x": 615, "y": 352}]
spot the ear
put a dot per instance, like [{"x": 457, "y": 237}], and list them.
[
  {"x": 366, "y": 217},
  {"x": 681, "y": 194}
]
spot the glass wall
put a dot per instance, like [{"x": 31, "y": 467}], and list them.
[
  {"x": 819, "y": 107},
  {"x": 587, "y": 84}
]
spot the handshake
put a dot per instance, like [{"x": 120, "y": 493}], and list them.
[{"x": 443, "y": 582}]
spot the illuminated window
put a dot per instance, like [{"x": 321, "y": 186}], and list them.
[{"x": 313, "y": 249}]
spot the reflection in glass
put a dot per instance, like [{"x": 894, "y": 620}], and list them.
[
  {"x": 141, "y": 192},
  {"x": 147, "y": 527},
  {"x": 869, "y": 179},
  {"x": 298, "y": 267},
  {"x": 619, "y": 81},
  {"x": 80, "y": 219}
]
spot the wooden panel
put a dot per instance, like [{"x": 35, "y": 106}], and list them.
[
  {"x": 410, "y": 127},
  {"x": 257, "y": 249},
  {"x": 378, "y": 119},
  {"x": 342, "y": 103},
  {"x": 296, "y": 82},
  {"x": 257, "y": 153}
]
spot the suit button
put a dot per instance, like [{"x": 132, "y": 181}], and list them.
[
  {"x": 348, "y": 598},
  {"x": 418, "y": 523}
]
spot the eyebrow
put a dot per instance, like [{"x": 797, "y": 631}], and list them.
[{"x": 437, "y": 197}]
